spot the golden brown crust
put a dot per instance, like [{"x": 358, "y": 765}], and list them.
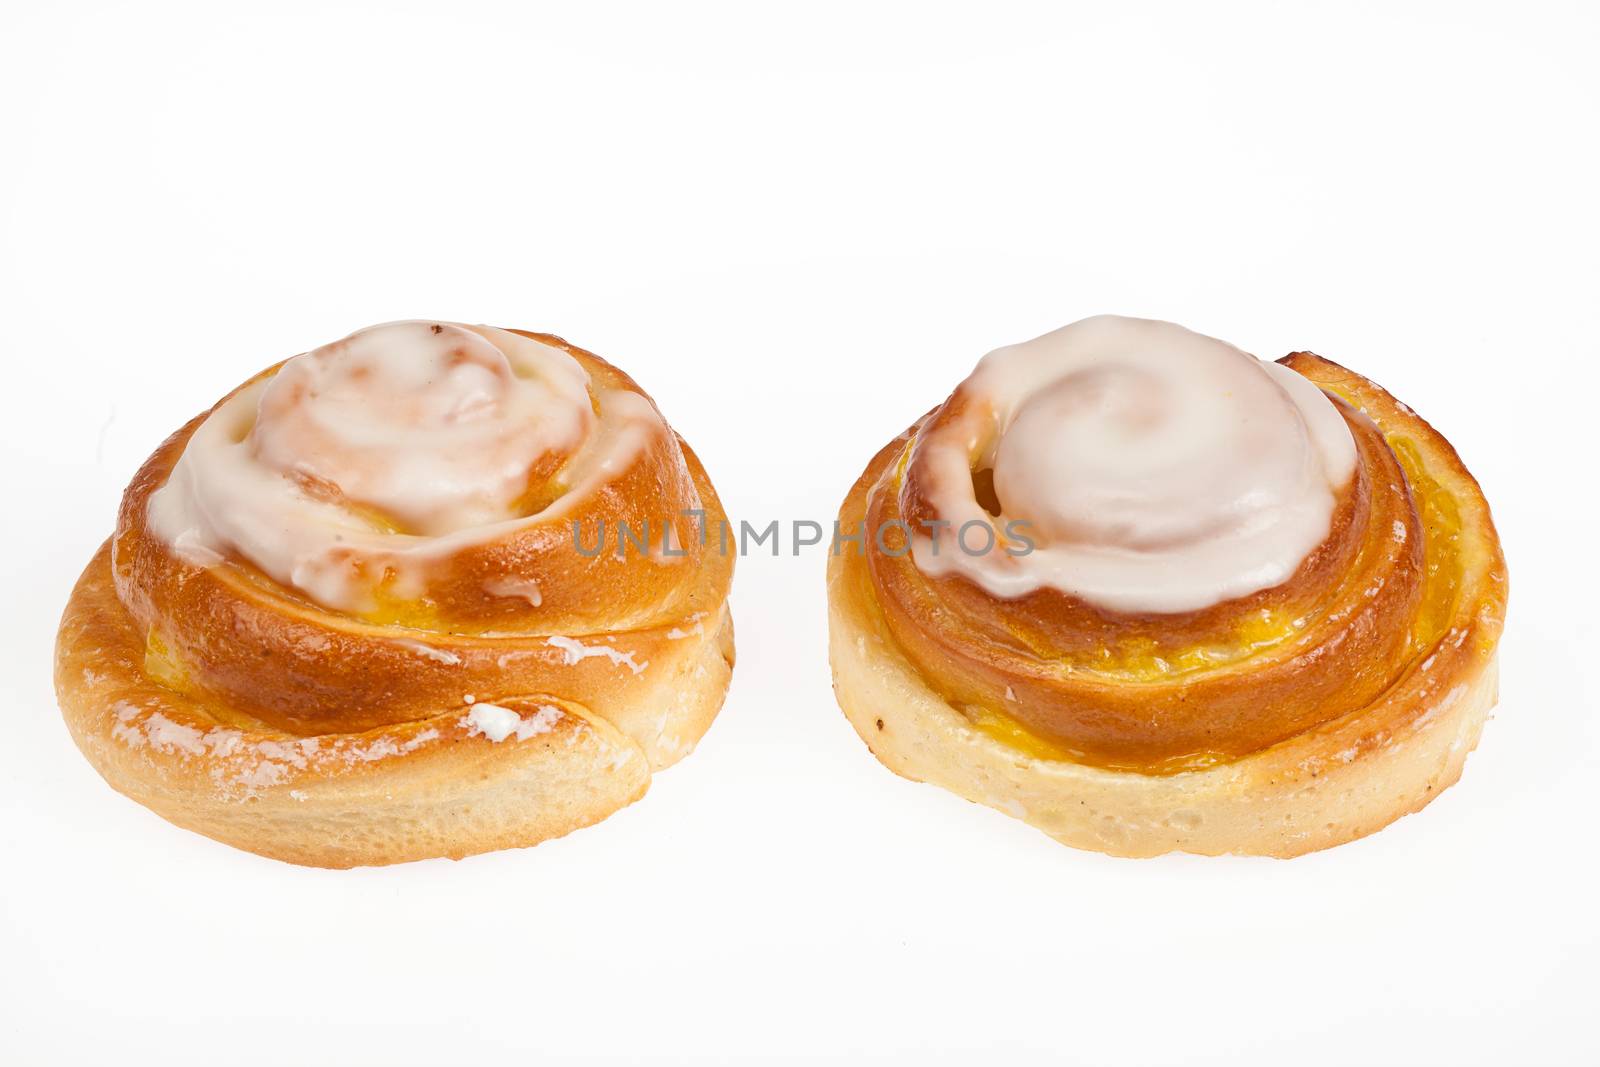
[
  {"x": 1401, "y": 737},
  {"x": 331, "y": 671},
  {"x": 236, "y": 708}
]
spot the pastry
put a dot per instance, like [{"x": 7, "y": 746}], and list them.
[
  {"x": 430, "y": 590},
  {"x": 1149, "y": 594}
]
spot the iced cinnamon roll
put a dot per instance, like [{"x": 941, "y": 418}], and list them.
[
  {"x": 1149, "y": 593},
  {"x": 430, "y": 590}
]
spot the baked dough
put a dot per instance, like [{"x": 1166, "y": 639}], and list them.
[
  {"x": 1296, "y": 774},
  {"x": 481, "y": 714}
]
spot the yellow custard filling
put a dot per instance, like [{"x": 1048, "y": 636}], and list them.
[
  {"x": 1442, "y": 531},
  {"x": 1011, "y": 733},
  {"x": 161, "y": 665},
  {"x": 1441, "y": 525},
  {"x": 1141, "y": 660},
  {"x": 392, "y": 610}
]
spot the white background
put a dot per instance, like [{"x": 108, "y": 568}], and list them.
[{"x": 798, "y": 229}]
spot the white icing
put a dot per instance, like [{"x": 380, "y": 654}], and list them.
[
  {"x": 1156, "y": 469},
  {"x": 430, "y": 424},
  {"x": 438, "y": 655},
  {"x": 696, "y": 628},
  {"x": 166, "y": 735},
  {"x": 574, "y": 651},
  {"x": 432, "y": 429},
  {"x": 242, "y": 767},
  {"x": 510, "y": 586},
  {"x": 498, "y": 723}
]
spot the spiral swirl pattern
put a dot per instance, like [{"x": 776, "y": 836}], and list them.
[
  {"x": 361, "y": 575},
  {"x": 1135, "y": 686},
  {"x": 1153, "y": 469},
  {"x": 1223, "y": 555}
]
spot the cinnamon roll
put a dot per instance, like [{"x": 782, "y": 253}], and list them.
[
  {"x": 430, "y": 590},
  {"x": 1149, "y": 594}
]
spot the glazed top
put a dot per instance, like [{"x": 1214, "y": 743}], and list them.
[
  {"x": 390, "y": 450},
  {"x": 1136, "y": 465},
  {"x": 420, "y": 516}
]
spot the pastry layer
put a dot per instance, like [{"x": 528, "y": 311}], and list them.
[
  {"x": 462, "y": 780},
  {"x": 313, "y": 638},
  {"x": 1412, "y": 708}
]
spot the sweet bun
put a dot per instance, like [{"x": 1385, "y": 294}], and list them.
[
  {"x": 373, "y": 605},
  {"x": 1227, "y": 606}
]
